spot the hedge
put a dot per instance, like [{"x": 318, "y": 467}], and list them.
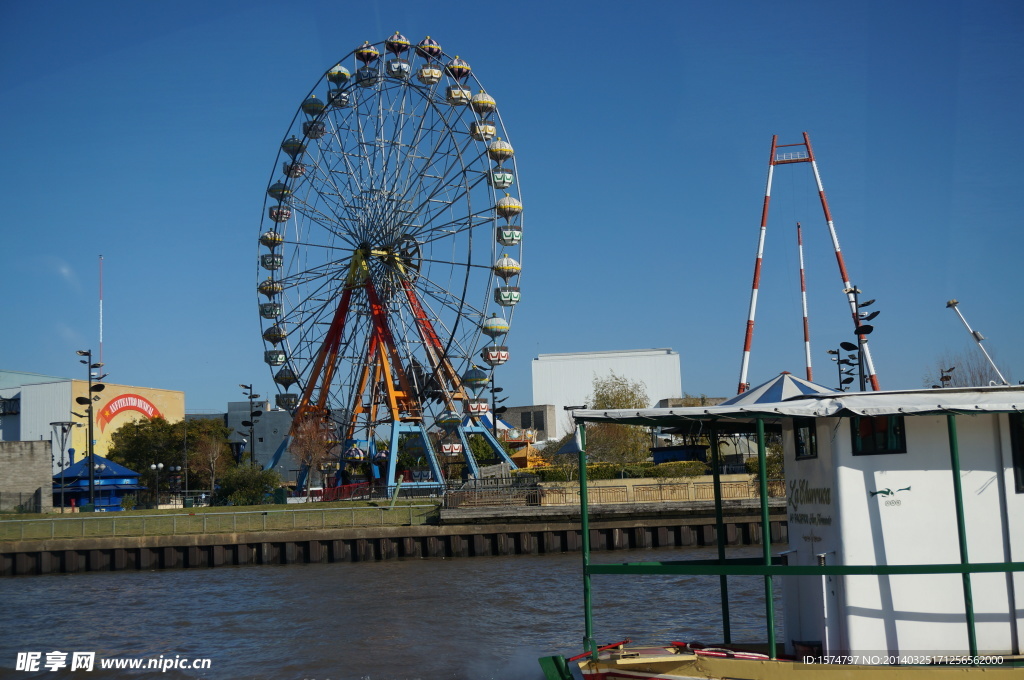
[{"x": 599, "y": 471}]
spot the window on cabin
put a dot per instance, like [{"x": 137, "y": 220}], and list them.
[
  {"x": 878, "y": 434},
  {"x": 806, "y": 436},
  {"x": 1017, "y": 449}
]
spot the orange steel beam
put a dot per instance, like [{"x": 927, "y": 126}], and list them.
[
  {"x": 435, "y": 350},
  {"x": 401, "y": 399}
]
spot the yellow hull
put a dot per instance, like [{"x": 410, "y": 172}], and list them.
[{"x": 676, "y": 663}]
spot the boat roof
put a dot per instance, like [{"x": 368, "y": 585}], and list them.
[{"x": 963, "y": 400}]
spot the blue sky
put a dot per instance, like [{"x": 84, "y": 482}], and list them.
[{"x": 147, "y": 132}]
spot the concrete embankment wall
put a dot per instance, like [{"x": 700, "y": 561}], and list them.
[{"x": 360, "y": 544}]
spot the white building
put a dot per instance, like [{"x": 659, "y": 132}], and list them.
[{"x": 568, "y": 379}]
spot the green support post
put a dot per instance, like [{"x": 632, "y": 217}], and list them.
[
  {"x": 588, "y": 614},
  {"x": 723, "y": 580},
  {"x": 766, "y": 537},
  {"x": 961, "y": 532}
]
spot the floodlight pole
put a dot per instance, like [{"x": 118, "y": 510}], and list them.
[
  {"x": 89, "y": 404},
  {"x": 61, "y": 430},
  {"x": 978, "y": 337}
]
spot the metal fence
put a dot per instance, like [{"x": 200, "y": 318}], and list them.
[
  {"x": 116, "y": 524},
  {"x": 597, "y": 495}
]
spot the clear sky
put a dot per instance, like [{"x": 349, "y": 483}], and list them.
[{"x": 146, "y": 132}]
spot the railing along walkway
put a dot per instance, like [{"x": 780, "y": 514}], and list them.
[
  {"x": 116, "y": 524},
  {"x": 676, "y": 491}
]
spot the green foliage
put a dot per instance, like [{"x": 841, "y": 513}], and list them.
[
  {"x": 483, "y": 451},
  {"x": 564, "y": 467},
  {"x": 246, "y": 485},
  {"x": 683, "y": 468},
  {"x": 128, "y": 502},
  {"x": 623, "y": 445},
  {"x": 598, "y": 471},
  {"x": 141, "y": 443},
  {"x": 774, "y": 463}
]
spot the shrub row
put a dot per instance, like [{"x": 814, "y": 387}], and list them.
[{"x": 598, "y": 471}]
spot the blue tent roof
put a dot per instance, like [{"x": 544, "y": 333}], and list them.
[
  {"x": 485, "y": 420},
  {"x": 782, "y": 387},
  {"x": 81, "y": 469}
]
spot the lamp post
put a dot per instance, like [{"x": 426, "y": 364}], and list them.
[
  {"x": 845, "y": 374},
  {"x": 862, "y": 331},
  {"x": 174, "y": 479},
  {"x": 253, "y": 419},
  {"x": 944, "y": 377},
  {"x": 88, "y": 403},
  {"x": 61, "y": 430},
  {"x": 495, "y": 411},
  {"x": 156, "y": 467}
]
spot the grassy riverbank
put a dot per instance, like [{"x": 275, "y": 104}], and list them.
[{"x": 218, "y": 519}]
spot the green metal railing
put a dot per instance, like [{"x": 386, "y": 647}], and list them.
[{"x": 116, "y": 524}]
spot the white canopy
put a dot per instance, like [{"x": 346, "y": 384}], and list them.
[{"x": 996, "y": 399}]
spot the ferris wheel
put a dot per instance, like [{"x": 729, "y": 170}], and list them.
[{"x": 390, "y": 256}]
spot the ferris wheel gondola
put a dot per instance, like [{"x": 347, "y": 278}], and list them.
[{"x": 390, "y": 236}]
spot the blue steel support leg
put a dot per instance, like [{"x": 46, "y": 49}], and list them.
[
  {"x": 392, "y": 459},
  {"x": 435, "y": 466},
  {"x": 467, "y": 453}
]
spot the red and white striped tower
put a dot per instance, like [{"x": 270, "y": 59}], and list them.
[
  {"x": 803, "y": 302},
  {"x": 805, "y": 156},
  {"x": 848, "y": 288},
  {"x": 757, "y": 274}
]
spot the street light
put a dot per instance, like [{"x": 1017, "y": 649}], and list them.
[
  {"x": 944, "y": 377},
  {"x": 495, "y": 411},
  {"x": 157, "y": 467},
  {"x": 844, "y": 366},
  {"x": 61, "y": 430},
  {"x": 253, "y": 419},
  {"x": 88, "y": 403},
  {"x": 174, "y": 479}
]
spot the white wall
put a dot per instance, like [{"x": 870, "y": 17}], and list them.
[
  {"x": 918, "y": 526},
  {"x": 568, "y": 379}
]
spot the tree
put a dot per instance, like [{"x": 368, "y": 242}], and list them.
[
  {"x": 312, "y": 441},
  {"x": 209, "y": 459},
  {"x": 568, "y": 464},
  {"x": 619, "y": 444},
  {"x": 139, "y": 444},
  {"x": 966, "y": 368}
]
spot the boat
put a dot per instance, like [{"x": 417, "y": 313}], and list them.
[{"x": 905, "y": 514}]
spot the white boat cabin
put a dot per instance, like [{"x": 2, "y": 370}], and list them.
[{"x": 870, "y": 483}]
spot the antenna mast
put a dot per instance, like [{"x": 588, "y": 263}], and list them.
[{"x": 101, "y": 309}]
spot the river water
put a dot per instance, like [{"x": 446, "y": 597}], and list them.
[{"x": 480, "y": 618}]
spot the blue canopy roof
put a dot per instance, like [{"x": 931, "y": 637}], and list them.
[
  {"x": 485, "y": 420},
  {"x": 782, "y": 387},
  {"x": 111, "y": 469}
]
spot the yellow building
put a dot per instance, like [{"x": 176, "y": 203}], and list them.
[
  {"x": 30, "y": 402},
  {"x": 117, "y": 405}
]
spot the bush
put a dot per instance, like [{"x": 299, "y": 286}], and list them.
[
  {"x": 246, "y": 485},
  {"x": 128, "y": 502},
  {"x": 599, "y": 471},
  {"x": 683, "y": 468},
  {"x": 774, "y": 464}
]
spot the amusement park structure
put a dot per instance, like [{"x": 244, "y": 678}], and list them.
[
  {"x": 391, "y": 249},
  {"x": 801, "y": 152}
]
